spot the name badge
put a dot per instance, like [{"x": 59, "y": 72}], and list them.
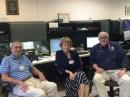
[
  {"x": 21, "y": 67},
  {"x": 71, "y": 61}
]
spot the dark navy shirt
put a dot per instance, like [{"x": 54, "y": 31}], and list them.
[
  {"x": 111, "y": 57},
  {"x": 63, "y": 62}
]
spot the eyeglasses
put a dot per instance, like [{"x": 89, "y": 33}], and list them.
[
  {"x": 103, "y": 37},
  {"x": 16, "y": 47}
]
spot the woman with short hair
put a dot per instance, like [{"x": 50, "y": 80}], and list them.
[{"x": 69, "y": 65}]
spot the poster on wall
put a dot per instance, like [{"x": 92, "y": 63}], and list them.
[
  {"x": 65, "y": 17},
  {"x": 12, "y": 7},
  {"x": 127, "y": 10}
]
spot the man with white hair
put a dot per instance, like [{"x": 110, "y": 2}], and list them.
[
  {"x": 18, "y": 70},
  {"x": 110, "y": 62}
]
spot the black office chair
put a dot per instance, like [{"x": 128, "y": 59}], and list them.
[
  {"x": 112, "y": 92},
  {"x": 6, "y": 89}
]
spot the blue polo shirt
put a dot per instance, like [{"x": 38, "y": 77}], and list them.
[
  {"x": 18, "y": 68},
  {"x": 111, "y": 57}
]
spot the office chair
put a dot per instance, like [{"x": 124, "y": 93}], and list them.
[
  {"x": 112, "y": 92},
  {"x": 6, "y": 89}
]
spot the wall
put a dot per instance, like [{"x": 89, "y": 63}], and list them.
[{"x": 46, "y": 10}]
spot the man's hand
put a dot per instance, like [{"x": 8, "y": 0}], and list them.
[
  {"x": 99, "y": 70},
  {"x": 41, "y": 76},
  {"x": 38, "y": 73},
  {"x": 120, "y": 72},
  {"x": 23, "y": 86}
]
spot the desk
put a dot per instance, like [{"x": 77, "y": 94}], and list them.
[
  {"x": 128, "y": 54},
  {"x": 44, "y": 60},
  {"x": 47, "y": 65},
  {"x": 50, "y": 59}
]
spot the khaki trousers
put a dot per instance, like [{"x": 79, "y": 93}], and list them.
[
  {"x": 100, "y": 78},
  {"x": 37, "y": 88}
]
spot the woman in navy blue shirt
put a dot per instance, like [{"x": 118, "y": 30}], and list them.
[{"x": 68, "y": 63}]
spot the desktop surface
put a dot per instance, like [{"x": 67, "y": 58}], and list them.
[
  {"x": 83, "y": 52},
  {"x": 49, "y": 59}
]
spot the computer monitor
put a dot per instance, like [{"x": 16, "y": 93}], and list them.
[
  {"x": 126, "y": 30},
  {"x": 127, "y": 35},
  {"x": 54, "y": 45},
  {"x": 91, "y": 41},
  {"x": 28, "y": 45}
]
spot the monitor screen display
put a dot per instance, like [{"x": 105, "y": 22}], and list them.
[
  {"x": 91, "y": 41},
  {"x": 28, "y": 45},
  {"x": 126, "y": 30},
  {"x": 54, "y": 45}
]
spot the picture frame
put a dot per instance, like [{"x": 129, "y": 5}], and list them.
[
  {"x": 12, "y": 7},
  {"x": 127, "y": 10},
  {"x": 65, "y": 17}
]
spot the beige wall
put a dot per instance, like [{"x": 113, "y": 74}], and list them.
[{"x": 46, "y": 10}]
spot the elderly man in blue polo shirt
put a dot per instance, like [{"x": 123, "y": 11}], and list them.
[
  {"x": 17, "y": 69},
  {"x": 110, "y": 62}
]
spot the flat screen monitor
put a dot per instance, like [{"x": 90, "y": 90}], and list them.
[
  {"x": 91, "y": 41},
  {"x": 126, "y": 30},
  {"x": 127, "y": 35},
  {"x": 54, "y": 45},
  {"x": 28, "y": 45}
]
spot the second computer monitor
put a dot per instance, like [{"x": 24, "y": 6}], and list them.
[
  {"x": 91, "y": 41},
  {"x": 54, "y": 45}
]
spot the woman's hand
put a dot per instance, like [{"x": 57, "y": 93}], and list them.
[{"x": 71, "y": 74}]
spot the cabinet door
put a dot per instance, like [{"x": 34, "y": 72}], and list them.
[
  {"x": 4, "y": 32},
  {"x": 63, "y": 29},
  {"x": 28, "y": 31}
]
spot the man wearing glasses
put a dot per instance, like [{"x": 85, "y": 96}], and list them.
[{"x": 110, "y": 62}]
